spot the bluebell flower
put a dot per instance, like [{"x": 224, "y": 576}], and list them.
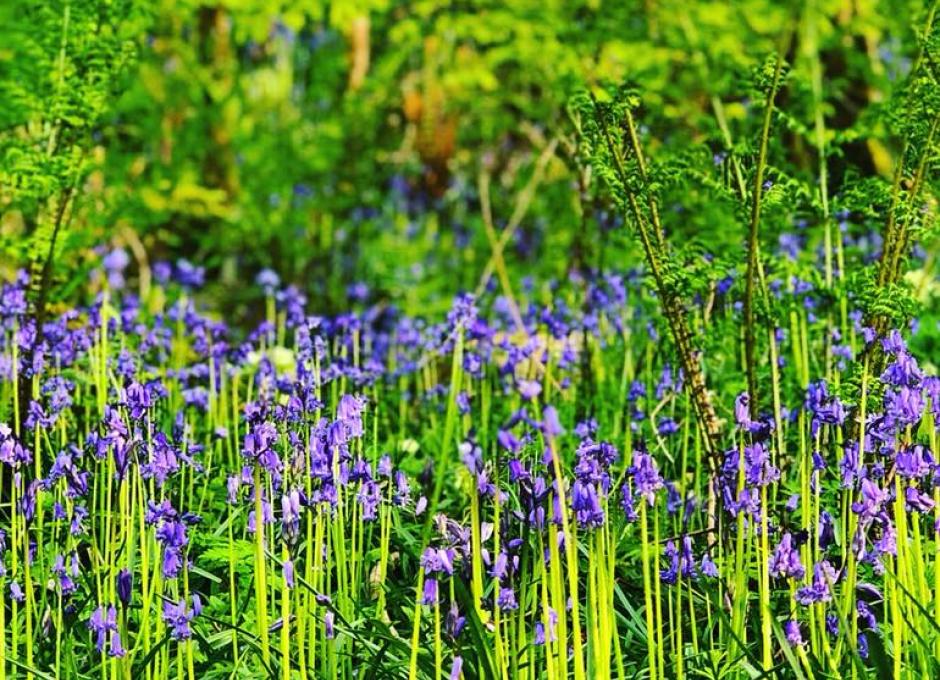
[
  {"x": 917, "y": 501},
  {"x": 785, "y": 561},
  {"x": 758, "y": 470},
  {"x": 438, "y": 561},
  {"x": 903, "y": 372},
  {"x": 850, "y": 466},
  {"x": 232, "y": 485},
  {"x": 178, "y": 616},
  {"x": 66, "y": 583},
  {"x": 824, "y": 577},
  {"x": 866, "y": 616},
  {"x": 369, "y": 498},
  {"x": 268, "y": 280},
  {"x": 673, "y": 498},
  {"x": 98, "y": 626},
  {"x": 827, "y": 530},
  {"x": 627, "y": 503},
  {"x": 456, "y": 669},
  {"x": 103, "y": 624},
  {"x": 507, "y": 599},
  {"x": 329, "y": 631},
  {"x": 872, "y": 500},
  {"x": 287, "y": 570},
  {"x": 189, "y": 275},
  {"x": 529, "y": 389},
  {"x": 454, "y": 622},
  {"x": 667, "y": 427},
  {"x": 137, "y": 399},
  {"x": 687, "y": 559},
  {"x": 823, "y": 408},
  {"x": 429, "y": 597},
  {"x": 124, "y": 585},
  {"x": 914, "y": 462},
  {"x": 290, "y": 514},
  {"x": 551, "y": 426},
  {"x": 791, "y": 629},
  {"x": 708, "y": 566},
  {"x": 742, "y": 411},
  {"x": 863, "y": 645},
  {"x": 646, "y": 478},
  {"x": 670, "y": 574},
  {"x": 586, "y": 505},
  {"x": 893, "y": 343},
  {"x": 904, "y": 406}
]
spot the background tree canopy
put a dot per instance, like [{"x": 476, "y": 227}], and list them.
[{"x": 344, "y": 141}]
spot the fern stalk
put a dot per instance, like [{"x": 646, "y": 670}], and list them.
[
  {"x": 655, "y": 251},
  {"x": 750, "y": 332}
]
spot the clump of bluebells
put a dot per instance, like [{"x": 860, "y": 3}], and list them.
[{"x": 185, "y": 500}]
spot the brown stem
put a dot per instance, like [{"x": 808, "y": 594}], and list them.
[
  {"x": 41, "y": 291},
  {"x": 654, "y": 249}
]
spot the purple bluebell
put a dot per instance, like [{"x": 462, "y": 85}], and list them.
[
  {"x": 124, "y": 585},
  {"x": 826, "y": 534},
  {"x": 287, "y": 571},
  {"x": 430, "y": 596},
  {"x": 708, "y": 566},
  {"x": 586, "y": 505},
  {"x": 103, "y": 624},
  {"x": 438, "y": 560},
  {"x": 646, "y": 478},
  {"x": 904, "y": 406},
  {"x": 500, "y": 568},
  {"x": 506, "y": 600},
  {"x": 268, "y": 281},
  {"x": 454, "y": 622},
  {"x": 792, "y": 632},
  {"x": 742, "y": 411},
  {"x": 785, "y": 561},
  {"x": 667, "y": 427},
  {"x": 793, "y": 502},
  {"x": 903, "y": 372},
  {"x": 824, "y": 578},
  {"x": 456, "y": 669},
  {"x": 189, "y": 275},
  {"x": 917, "y": 501},
  {"x": 529, "y": 389},
  {"x": 290, "y": 514},
  {"x": 67, "y": 585},
  {"x": 872, "y": 500},
  {"x": 369, "y": 498},
  {"x": 687, "y": 559},
  {"x": 758, "y": 469},
  {"x": 178, "y": 616},
  {"x": 823, "y": 408},
  {"x": 866, "y": 616},
  {"x": 850, "y": 466},
  {"x": 627, "y": 501},
  {"x": 551, "y": 426},
  {"x": 670, "y": 574},
  {"x": 97, "y": 624},
  {"x": 420, "y": 506},
  {"x": 863, "y": 645},
  {"x": 914, "y": 462}
]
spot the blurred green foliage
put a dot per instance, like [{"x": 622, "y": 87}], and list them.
[
  {"x": 341, "y": 142},
  {"x": 61, "y": 68}
]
